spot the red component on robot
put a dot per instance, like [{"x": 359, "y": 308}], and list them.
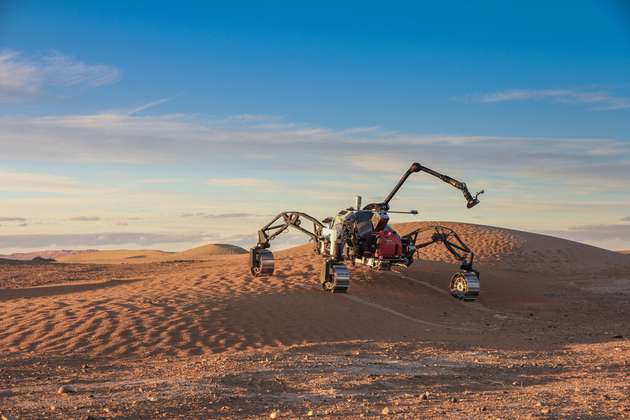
[{"x": 388, "y": 244}]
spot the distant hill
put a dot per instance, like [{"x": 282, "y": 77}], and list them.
[
  {"x": 201, "y": 252},
  {"x": 130, "y": 256},
  {"x": 36, "y": 260},
  {"x": 27, "y": 256}
]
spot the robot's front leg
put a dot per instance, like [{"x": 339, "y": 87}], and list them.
[{"x": 261, "y": 261}]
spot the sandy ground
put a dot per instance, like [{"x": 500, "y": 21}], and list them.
[{"x": 201, "y": 337}]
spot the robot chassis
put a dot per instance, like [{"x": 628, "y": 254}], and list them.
[{"x": 363, "y": 236}]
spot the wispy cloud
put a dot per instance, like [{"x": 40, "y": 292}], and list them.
[
  {"x": 23, "y": 77},
  {"x": 238, "y": 182},
  {"x": 595, "y": 98},
  {"x": 222, "y": 215},
  {"x": 37, "y": 182},
  {"x": 596, "y": 232},
  {"x": 39, "y": 241},
  {"x": 85, "y": 219},
  {"x": 146, "y": 106},
  {"x": 120, "y": 138},
  {"x": 317, "y": 169},
  {"x": 179, "y": 139},
  {"x": 160, "y": 181},
  {"x": 17, "y": 77},
  {"x": 12, "y": 219}
]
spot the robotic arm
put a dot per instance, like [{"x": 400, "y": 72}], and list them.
[{"x": 471, "y": 200}]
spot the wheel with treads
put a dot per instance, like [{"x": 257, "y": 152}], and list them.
[
  {"x": 335, "y": 277},
  {"x": 465, "y": 285}
]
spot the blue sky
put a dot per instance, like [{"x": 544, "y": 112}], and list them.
[{"x": 153, "y": 119}]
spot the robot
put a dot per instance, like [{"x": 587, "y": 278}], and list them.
[{"x": 363, "y": 236}]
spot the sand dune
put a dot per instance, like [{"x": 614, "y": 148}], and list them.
[
  {"x": 177, "y": 303},
  {"x": 117, "y": 256},
  {"x": 212, "y": 250},
  {"x": 522, "y": 250},
  {"x": 150, "y": 256}
]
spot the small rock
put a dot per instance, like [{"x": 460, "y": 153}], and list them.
[
  {"x": 545, "y": 411},
  {"x": 309, "y": 413},
  {"x": 7, "y": 417},
  {"x": 385, "y": 411},
  {"x": 66, "y": 389},
  {"x": 425, "y": 396},
  {"x": 273, "y": 414},
  {"x": 453, "y": 400}
]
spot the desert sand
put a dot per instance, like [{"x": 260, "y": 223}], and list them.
[{"x": 192, "y": 334}]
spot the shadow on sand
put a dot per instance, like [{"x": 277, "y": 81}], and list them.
[{"x": 47, "y": 291}]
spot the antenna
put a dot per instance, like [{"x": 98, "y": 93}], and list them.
[{"x": 359, "y": 199}]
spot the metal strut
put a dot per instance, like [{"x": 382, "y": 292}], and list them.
[
  {"x": 465, "y": 284},
  {"x": 261, "y": 260},
  {"x": 451, "y": 240},
  {"x": 285, "y": 220}
]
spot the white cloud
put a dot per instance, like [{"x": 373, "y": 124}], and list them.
[
  {"x": 179, "y": 140},
  {"x": 597, "y": 99},
  {"x": 118, "y": 137},
  {"x": 12, "y": 219},
  {"x": 17, "y": 78},
  {"x": 597, "y": 232},
  {"x": 85, "y": 219},
  {"x": 238, "y": 182},
  {"x": 222, "y": 215},
  {"x": 160, "y": 181},
  {"x": 37, "y": 182},
  {"x": 316, "y": 169},
  {"x": 24, "y": 77},
  {"x": 64, "y": 70},
  {"x": 104, "y": 239}
]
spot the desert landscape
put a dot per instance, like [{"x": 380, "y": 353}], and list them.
[{"x": 151, "y": 334}]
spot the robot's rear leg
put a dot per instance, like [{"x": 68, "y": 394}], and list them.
[
  {"x": 261, "y": 262},
  {"x": 334, "y": 277},
  {"x": 465, "y": 285}
]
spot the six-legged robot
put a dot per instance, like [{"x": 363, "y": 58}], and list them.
[{"x": 363, "y": 236}]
